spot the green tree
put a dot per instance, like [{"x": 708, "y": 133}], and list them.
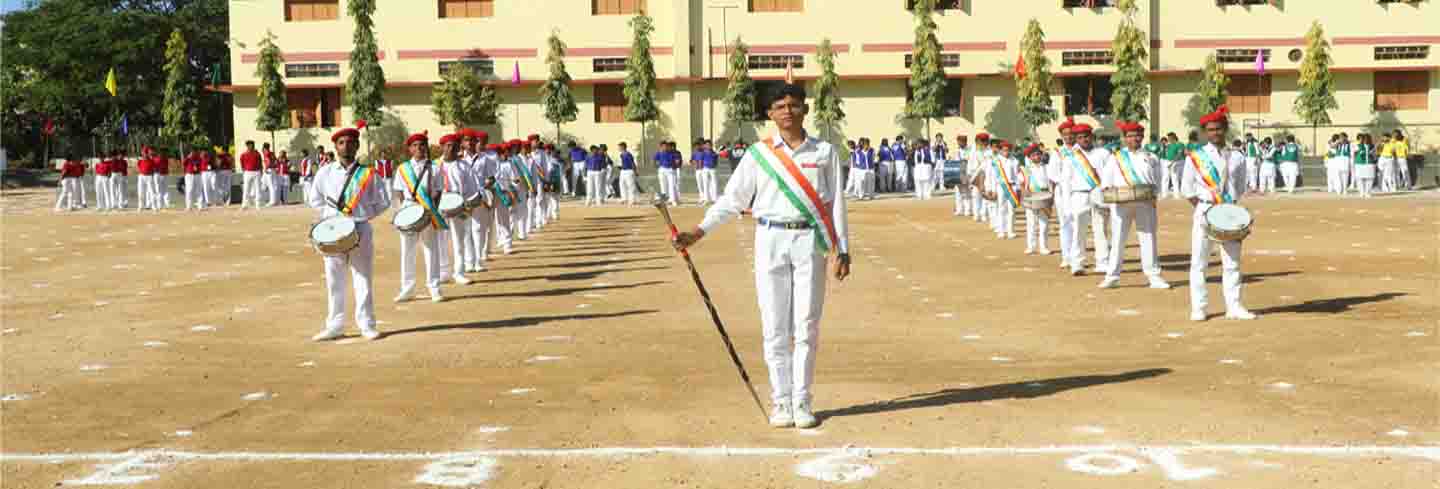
[
  {"x": 1317, "y": 85},
  {"x": 927, "y": 75},
  {"x": 829, "y": 110},
  {"x": 1132, "y": 87},
  {"x": 272, "y": 111},
  {"x": 456, "y": 101},
  {"x": 365, "y": 89},
  {"x": 555, "y": 93},
  {"x": 1210, "y": 93},
  {"x": 640, "y": 77},
  {"x": 487, "y": 106},
  {"x": 1034, "y": 103},
  {"x": 740, "y": 91},
  {"x": 181, "y": 106}
]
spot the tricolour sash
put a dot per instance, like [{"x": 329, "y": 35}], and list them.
[
  {"x": 1005, "y": 182},
  {"x": 412, "y": 181},
  {"x": 1127, "y": 167},
  {"x": 360, "y": 181},
  {"x": 1210, "y": 174},
  {"x": 1036, "y": 184},
  {"x": 1082, "y": 165},
  {"x": 798, "y": 190},
  {"x": 523, "y": 173}
]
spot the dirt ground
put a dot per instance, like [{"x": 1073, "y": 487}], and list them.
[{"x": 172, "y": 350}]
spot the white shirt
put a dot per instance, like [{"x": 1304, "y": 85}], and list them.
[
  {"x": 1036, "y": 178},
  {"x": 425, "y": 182},
  {"x": 1113, "y": 174},
  {"x": 1071, "y": 176},
  {"x": 328, "y": 183},
  {"x": 750, "y": 182},
  {"x": 1192, "y": 185},
  {"x": 1007, "y": 167},
  {"x": 455, "y": 176}
]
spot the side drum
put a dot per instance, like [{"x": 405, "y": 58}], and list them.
[
  {"x": 1228, "y": 222},
  {"x": 410, "y": 219},
  {"x": 1125, "y": 195},
  {"x": 334, "y": 236}
]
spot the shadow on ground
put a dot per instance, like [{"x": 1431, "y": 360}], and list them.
[{"x": 1015, "y": 390}]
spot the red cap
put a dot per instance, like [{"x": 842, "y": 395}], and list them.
[
  {"x": 1031, "y": 149},
  {"x": 1221, "y": 114},
  {"x": 1068, "y": 124},
  {"x": 481, "y": 136},
  {"x": 1006, "y": 144},
  {"x": 549, "y": 146},
  {"x": 349, "y": 131},
  {"x": 466, "y": 133},
  {"x": 982, "y": 137},
  {"x": 515, "y": 142},
  {"x": 1127, "y": 127},
  {"x": 450, "y": 138},
  {"x": 532, "y": 137},
  {"x": 492, "y": 147},
  {"x": 1081, "y": 129},
  {"x": 419, "y": 136}
]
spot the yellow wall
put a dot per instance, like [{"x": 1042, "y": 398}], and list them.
[{"x": 873, "y": 79}]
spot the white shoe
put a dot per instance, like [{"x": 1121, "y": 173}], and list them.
[
  {"x": 327, "y": 334},
  {"x": 370, "y": 333},
  {"x": 1029, "y": 251},
  {"x": 460, "y": 279},
  {"x": 803, "y": 417},
  {"x": 1239, "y": 313},
  {"x": 1159, "y": 284},
  {"x": 1010, "y": 236},
  {"x": 1045, "y": 251},
  {"x": 1109, "y": 283},
  {"x": 436, "y": 297},
  {"x": 1198, "y": 315},
  {"x": 780, "y": 416},
  {"x": 404, "y": 295}
]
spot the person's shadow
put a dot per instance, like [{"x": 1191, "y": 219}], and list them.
[
  {"x": 1331, "y": 306},
  {"x": 1014, "y": 390},
  {"x": 515, "y": 322}
]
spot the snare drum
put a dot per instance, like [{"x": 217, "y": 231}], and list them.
[
  {"x": 479, "y": 200},
  {"x": 452, "y": 205},
  {"x": 1039, "y": 201},
  {"x": 334, "y": 236},
  {"x": 410, "y": 219},
  {"x": 1227, "y": 222},
  {"x": 1124, "y": 195}
]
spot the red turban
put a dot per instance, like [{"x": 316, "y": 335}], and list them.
[
  {"x": 1129, "y": 127},
  {"x": 492, "y": 147},
  {"x": 419, "y": 136},
  {"x": 449, "y": 138},
  {"x": 1221, "y": 114},
  {"x": 1068, "y": 124},
  {"x": 1033, "y": 148},
  {"x": 481, "y": 136},
  {"x": 349, "y": 131},
  {"x": 1081, "y": 129},
  {"x": 982, "y": 137},
  {"x": 533, "y": 137}
]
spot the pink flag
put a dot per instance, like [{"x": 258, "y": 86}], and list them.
[
  {"x": 515, "y": 77},
  {"x": 1259, "y": 62}
]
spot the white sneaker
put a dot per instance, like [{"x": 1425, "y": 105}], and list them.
[
  {"x": 327, "y": 334},
  {"x": 1198, "y": 315},
  {"x": 370, "y": 333},
  {"x": 1029, "y": 251},
  {"x": 436, "y": 297},
  {"x": 1045, "y": 251},
  {"x": 1159, "y": 284},
  {"x": 1239, "y": 313},
  {"x": 803, "y": 417},
  {"x": 780, "y": 416},
  {"x": 404, "y": 295},
  {"x": 1109, "y": 283},
  {"x": 460, "y": 279}
]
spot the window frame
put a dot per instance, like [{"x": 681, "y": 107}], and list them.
[
  {"x": 1241, "y": 55},
  {"x": 637, "y": 7},
  {"x": 1087, "y": 57},
  {"x": 775, "y": 61},
  {"x": 288, "y": 11},
  {"x": 477, "y": 5},
  {"x": 1091, "y": 99},
  {"x": 1401, "y": 93},
  {"x": 476, "y": 65},
  {"x": 947, "y": 60},
  {"x": 325, "y": 112},
  {"x": 1255, "y": 97},
  {"x": 613, "y": 92},
  {"x": 311, "y": 70},
  {"x": 775, "y": 6},
  {"x": 940, "y": 5},
  {"x": 608, "y": 64},
  {"x": 1399, "y": 53},
  {"x": 1096, "y": 4}
]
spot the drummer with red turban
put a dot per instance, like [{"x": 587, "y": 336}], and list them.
[
  {"x": 1214, "y": 175},
  {"x": 349, "y": 190},
  {"x": 1133, "y": 168}
]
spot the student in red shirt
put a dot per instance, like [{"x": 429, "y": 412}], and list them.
[
  {"x": 144, "y": 189},
  {"x": 119, "y": 180},
  {"x": 279, "y": 172},
  {"x": 250, "y": 163},
  {"x": 70, "y": 174},
  {"x": 102, "y": 184},
  {"x": 162, "y": 178},
  {"x": 223, "y": 174},
  {"x": 194, "y": 187},
  {"x": 267, "y": 175}
]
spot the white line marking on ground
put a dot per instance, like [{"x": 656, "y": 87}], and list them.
[
  {"x": 202, "y": 328},
  {"x": 1232, "y": 361},
  {"x": 521, "y": 390},
  {"x": 492, "y": 429},
  {"x": 1415, "y": 334},
  {"x": 155, "y": 344},
  {"x": 94, "y": 367},
  {"x": 1397, "y": 432},
  {"x": 555, "y": 339},
  {"x": 839, "y": 467},
  {"x": 257, "y": 396},
  {"x": 1092, "y": 430},
  {"x": 11, "y": 398},
  {"x": 543, "y": 358}
]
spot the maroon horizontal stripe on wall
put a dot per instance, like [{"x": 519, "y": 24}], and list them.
[
  {"x": 613, "y": 52},
  {"x": 465, "y": 53},
  {"x": 1372, "y": 40},
  {"x": 1240, "y": 43},
  {"x": 783, "y": 48},
  {"x": 308, "y": 57},
  {"x": 947, "y": 47}
]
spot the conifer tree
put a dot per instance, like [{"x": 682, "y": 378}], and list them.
[
  {"x": 181, "y": 109},
  {"x": 1131, "y": 85},
  {"x": 272, "y": 110},
  {"x": 829, "y": 110},
  {"x": 740, "y": 90},
  {"x": 640, "y": 77},
  {"x": 365, "y": 88},
  {"x": 555, "y": 92},
  {"x": 927, "y": 75},
  {"x": 1034, "y": 102}
]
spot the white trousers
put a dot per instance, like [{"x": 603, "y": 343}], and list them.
[
  {"x": 709, "y": 184},
  {"x": 460, "y": 248},
  {"x": 223, "y": 179},
  {"x": 500, "y": 227},
  {"x": 1267, "y": 177},
  {"x": 790, "y": 279},
  {"x": 883, "y": 180},
  {"x": 627, "y": 186},
  {"x": 480, "y": 220},
  {"x": 1083, "y": 215},
  {"x": 924, "y": 189},
  {"x": 359, "y": 262},
  {"x": 69, "y": 197},
  {"x": 594, "y": 188},
  {"x": 427, "y": 239},
  {"x": 1402, "y": 168},
  {"x": 867, "y": 183},
  {"x": 520, "y": 218},
  {"x": 102, "y": 192},
  {"x": 1037, "y": 230},
  {"x": 1003, "y": 218},
  {"x": 143, "y": 191},
  {"x": 670, "y": 184},
  {"x": 1389, "y": 174},
  {"x": 195, "y": 194},
  {"x": 118, "y": 186},
  {"x": 1143, "y": 217},
  {"x": 1067, "y": 226},
  {"x": 1291, "y": 172},
  {"x": 163, "y": 183},
  {"x": 1200, "y": 260},
  {"x": 1170, "y": 178},
  {"x": 212, "y": 187},
  {"x": 251, "y": 189},
  {"x": 977, "y": 204},
  {"x": 1252, "y": 173},
  {"x": 538, "y": 214},
  {"x": 272, "y": 186}
]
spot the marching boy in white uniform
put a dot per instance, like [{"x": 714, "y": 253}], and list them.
[
  {"x": 1214, "y": 174},
  {"x": 1058, "y": 161},
  {"x": 962, "y": 197},
  {"x": 349, "y": 189},
  {"x": 415, "y": 185},
  {"x": 455, "y": 177},
  {"x": 1000, "y": 177},
  {"x": 1129, "y": 167},
  {"x": 975, "y": 165},
  {"x": 1035, "y": 177},
  {"x": 1081, "y": 174},
  {"x": 792, "y": 241}
]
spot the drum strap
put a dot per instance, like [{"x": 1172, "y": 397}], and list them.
[
  {"x": 1082, "y": 165},
  {"x": 1211, "y": 176},
  {"x": 1005, "y": 182},
  {"x": 365, "y": 177},
  {"x": 338, "y": 203},
  {"x": 408, "y": 174},
  {"x": 1132, "y": 177}
]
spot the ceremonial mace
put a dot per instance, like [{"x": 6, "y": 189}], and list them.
[{"x": 661, "y": 204}]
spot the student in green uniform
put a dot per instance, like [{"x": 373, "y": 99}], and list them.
[
  {"x": 1289, "y": 159},
  {"x": 1173, "y": 157}
]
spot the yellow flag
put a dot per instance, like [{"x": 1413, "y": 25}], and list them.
[{"x": 110, "y": 82}]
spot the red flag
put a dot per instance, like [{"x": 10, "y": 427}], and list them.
[
  {"x": 1020, "y": 67},
  {"x": 49, "y": 128},
  {"x": 360, "y": 124}
]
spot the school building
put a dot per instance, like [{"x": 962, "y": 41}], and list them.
[{"x": 1384, "y": 75}]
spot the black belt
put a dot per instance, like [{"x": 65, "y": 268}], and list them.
[{"x": 791, "y": 226}]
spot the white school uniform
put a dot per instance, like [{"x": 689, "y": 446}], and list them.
[
  {"x": 1234, "y": 181},
  {"x": 359, "y": 261},
  {"x": 1116, "y": 173}
]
